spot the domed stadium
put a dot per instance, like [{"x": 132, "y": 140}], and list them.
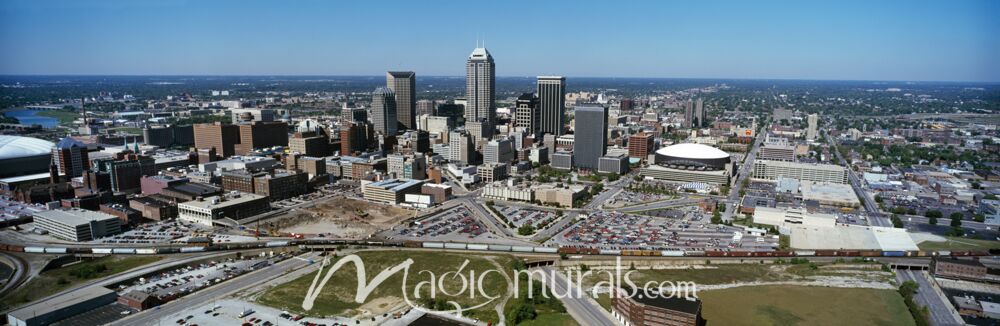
[
  {"x": 692, "y": 156},
  {"x": 24, "y": 155}
]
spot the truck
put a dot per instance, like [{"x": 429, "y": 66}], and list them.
[{"x": 247, "y": 312}]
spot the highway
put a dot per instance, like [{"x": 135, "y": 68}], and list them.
[
  {"x": 155, "y": 316},
  {"x": 19, "y": 274},
  {"x": 584, "y": 309},
  {"x": 742, "y": 174},
  {"x": 941, "y": 310},
  {"x": 875, "y": 217}
]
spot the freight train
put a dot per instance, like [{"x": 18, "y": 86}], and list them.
[{"x": 568, "y": 250}]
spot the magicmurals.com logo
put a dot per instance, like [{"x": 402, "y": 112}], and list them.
[{"x": 464, "y": 282}]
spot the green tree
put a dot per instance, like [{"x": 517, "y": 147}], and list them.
[{"x": 933, "y": 214}]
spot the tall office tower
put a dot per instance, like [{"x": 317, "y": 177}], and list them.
[
  {"x": 526, "y": 113},
  {"x": 354, "y": 137},
  {"x": 461, "y": 148},
  {"x": 222, "y": 137},
  {"x": 70, "y": 157},
  {"x": 552, "y": 104},
  {"x": 478, "y": 131},
  {"x": 384, "y": 111},
  {"x": 813, "y": 125},
  {"x": 403, "y": 85},
  {"x": 425, "y": 107},
  {"x": 699, "y": 113},
  {"x": 590, "y": 140},
  {"x": 626, "y": 105},
  {"x": 480, "y": 90},
  {"x": 688, "y": 114}
]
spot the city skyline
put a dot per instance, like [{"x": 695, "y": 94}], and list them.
[{"x": 773, "y": 40}]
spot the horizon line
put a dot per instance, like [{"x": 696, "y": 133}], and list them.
[{"x": 505, "y": 76}]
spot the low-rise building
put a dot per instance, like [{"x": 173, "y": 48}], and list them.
[
  {"x": 440, "y": 192},
  {"x": 786, "y": 217},
  {"x": 613, "y": 164},
  {"x": 61, "y": 307},
  {"x": 391, "y": 191},
  {"x": 153, "y": 209},
  {"x": 565, "y": 196},
  {"x": 76, "y": 224},
  {"x": 660, "y": 310},
  {"x": 234, "y": 205},
  {"x": 505, "y": 191},
  {"x": 490, "y": 172},
  {"x": 959, "y": 268}
]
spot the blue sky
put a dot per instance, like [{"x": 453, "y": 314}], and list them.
[{"x": 947, "y": 40}]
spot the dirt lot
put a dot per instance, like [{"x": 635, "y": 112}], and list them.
[{"x": 342, "y": 217}]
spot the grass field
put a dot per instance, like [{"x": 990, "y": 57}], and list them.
[
  {"x": 959, "y": 243},
  {"x": 551, "y": 319},
  {"x": 337, "y": 297},
  {"x": 54, "y": 281},
  {"x": 801, "y": 305},
  {"x": 65, "y": 117}
]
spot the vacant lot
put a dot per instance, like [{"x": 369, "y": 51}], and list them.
[
  {"x": 337, "y": 297},
  {"x": 53, "y": 281},
  {"x": 342, "y": 217},
  {"x": 802, "y": 305},
  {"x": 959, "y": 243}
]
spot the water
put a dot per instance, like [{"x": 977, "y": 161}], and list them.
[{"x": 28, "y": 117}]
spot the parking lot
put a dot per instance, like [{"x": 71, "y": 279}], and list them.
[
  {"x": 612, "y": 230},
  {"x": 454, "y": 224},
  {"x": 15, "y": 209},
  {"x": 237, "y": 312},
  {"x": 172, "y": 284},
  {"x": 159, "y": 232},
  {"x": 524, "y": 216}
]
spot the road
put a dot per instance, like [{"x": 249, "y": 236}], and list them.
[
  {"x": 155, "y": 316},
  {"x": 583, "y": 308},
  {"x": 941, "y": 310},
  {"x": 19, "y": 273},
  {"x": 166, "y": 263},
  {"x": 659, "y": 205},
  {"x": 742, "y": 174},
  {"x": 875, "y": 216}
]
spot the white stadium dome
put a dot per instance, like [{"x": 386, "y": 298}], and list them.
[
  {"x": 693, "y": 151},
  {"x": 17, "y": 146}
]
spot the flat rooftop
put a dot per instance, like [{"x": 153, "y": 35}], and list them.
[
  {"x": 74, "y": 216},
  {"x": 395, "y": 184},
  {"x": 229, "y": 200},
  {"x": 60, "y": 302}
]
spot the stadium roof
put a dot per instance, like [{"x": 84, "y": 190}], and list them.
[
  {"x": 17, "y": 146},
  {"x": 692, "y": 151}
]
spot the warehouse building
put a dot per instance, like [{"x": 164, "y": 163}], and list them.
[
  {"x": 62, "y": 307},
  {"x": 771, "y": 170},
  {"x": 77, "y": 224},
  {"x": 658, "y": 310},
  {"x": 391, "y": 191}
]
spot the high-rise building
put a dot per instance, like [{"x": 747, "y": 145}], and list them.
[
  {"x": 591, "y": 135},
  {"x": 309, "y": 143},
  {"x": 403, "y": 86},
  {"x": 384, "y": 111},
  {"x": 351, "y": 114},
  {"x": 813, "y": 120},
  {"x": 261, "y": 135},
  {"x": 552, "y": 104},
  {"x": 480, "y": 89},
  {"x": 222, "y": 137},
  {"x": 70, "y": 157},
  {"x": 462, "y": 148},
  {"x": 425, "y": 107},
  {"x": 498, "y": 151},
  {"x": 640, "y": 145},
  {"x": 126, "y": 170},
  {"x": 526, "y": 113},
  {"x": 694, "y": 113},
  {"x": 167, "y": 136},
  {"x": 407, "y": 166}
]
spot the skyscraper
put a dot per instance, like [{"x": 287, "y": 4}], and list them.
[
  {"x": 480, "y": 89},
  {"x": 222, "y": 137},
  {"x": 384, "y": 111},
  {"x": 699, "y": 113},
  {"x": 526, "y": 113},
  {"x": 552, "y": 103},
  {"x": 591, "y": 135},
  {"x": 403, "y": 85},
  {"x": 813, "y": 125}
]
